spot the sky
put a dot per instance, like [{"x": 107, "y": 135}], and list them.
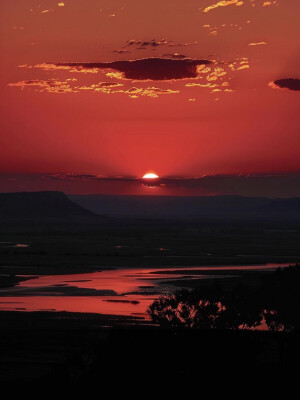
[{"x": 97, "y": 93}]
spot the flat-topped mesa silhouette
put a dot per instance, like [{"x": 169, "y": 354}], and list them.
[{"x": 40, "y": 205}]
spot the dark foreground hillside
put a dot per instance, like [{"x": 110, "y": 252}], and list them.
[
  {"x": 191, "y": 335},
  {"x": 65, "y": 348}
]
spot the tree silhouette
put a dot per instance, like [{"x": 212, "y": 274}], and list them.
[{"x": 274, "y": 301}]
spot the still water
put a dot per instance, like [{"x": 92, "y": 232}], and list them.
[{"x": 124, "y": 291}]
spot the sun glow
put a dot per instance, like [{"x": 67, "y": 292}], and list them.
[{"x": 150, "y": 175}]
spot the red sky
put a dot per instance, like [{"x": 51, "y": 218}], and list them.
[{"x": 223, "y": 105}]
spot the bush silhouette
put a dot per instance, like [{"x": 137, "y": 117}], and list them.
[{"x": 274, "y": 301}]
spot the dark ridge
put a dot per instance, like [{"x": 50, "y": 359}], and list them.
[
  {"x": 211, "y": 208},
  {"x": 40, "y": 205}
]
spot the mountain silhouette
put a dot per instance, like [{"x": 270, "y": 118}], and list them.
[
  {"x": 40, "y": 206},
  {"x": 56, "y": 206},
  {"x": 210, "y": 208}
]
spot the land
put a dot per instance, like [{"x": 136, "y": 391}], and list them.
[
  {"x": 46, "y": 231},
  {"x": 64, "y": 348},
  {"x": 58, "y": 347},
  {"x": 71, "y": 348},
  {"x": 81, "y": 248},
  {"x": 210, "y": 209}
]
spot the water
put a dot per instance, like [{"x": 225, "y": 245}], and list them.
[{"x": 124, "y": 291}]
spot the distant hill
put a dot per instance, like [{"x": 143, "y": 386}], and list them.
[
  {"x": 58, "y": 207},
  {"x": 209, "y": 208},
  {"x": 40, "y": 206}
]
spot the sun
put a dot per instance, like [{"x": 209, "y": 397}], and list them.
[{"x": 150, "y": 175}]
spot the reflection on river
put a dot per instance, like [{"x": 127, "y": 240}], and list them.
[{"x": 124, "y": 291}]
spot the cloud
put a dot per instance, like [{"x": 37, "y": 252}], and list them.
[
  {"x": 154, "y": 44},
  {"x": 67, "y": 86},
  {"x": 270, "y": 3},
  {"x": 71, "y": 86},
  {"x": 133, "y": 92},
  {"x": 121, "y": 51},
  {"x": 223, "y": 3},
  {"x": 50, "y": 85},
  {"x": 288, "y": 83},
  {"x": 89, "y": 177},
  {"x": 149, "y": 92},
  {"x": 238, "y": 3},
  {"x": 239, "y": 64},
  {"x": 273, "y": 185},
  {"x": 155, "y": 69},
  {"x": 47, "y": 11},
  {"x": 144, "y": 44},
  {"x": 246, "y": 66},
  {"x": 257, "y": 43},
  {"x": 206, "y": 84},
  {"x": 212, "y": 74},
  {"x": 54, "y": 67}
]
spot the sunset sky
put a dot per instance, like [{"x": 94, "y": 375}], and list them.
[{"x": 204, "y": 93}]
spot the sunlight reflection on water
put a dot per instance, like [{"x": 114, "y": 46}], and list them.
[{"x": 132, "y": 289}]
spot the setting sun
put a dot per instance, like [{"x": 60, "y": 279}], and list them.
[{"x": 150, "y": 176}]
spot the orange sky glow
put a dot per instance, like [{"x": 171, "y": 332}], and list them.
[{"x": 105, "y": 91}]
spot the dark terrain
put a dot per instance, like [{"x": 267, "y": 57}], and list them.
[
  {"x": 47, "y": 233},
  {"x": 66, "y": 348},
  {"x": 51, "y": 207},
  {"x": 47, "y": 230},
  {"x": 190, "y": 208}
]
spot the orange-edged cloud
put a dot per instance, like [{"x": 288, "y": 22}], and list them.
[
  {"x": 52, "y": 67},
  {"x": 154, "y": 69},
  {"x": 153, "y": 44},
  {"x": 68, "y": 86},
  {"x": 223, "y": 3},
  {"x": 257, "y": 43},
  {"x": 47, "y": 11},
  {"x": 270, "y": 3},
  {"x": 50, "y": 85},
  {"x": 210, "y": 74},
  {"x": 149, "y": 92},
  {"x": 288, "y": 83}
]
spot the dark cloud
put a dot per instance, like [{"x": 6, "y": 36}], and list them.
[
  {"x": 156, "y": 69},
  {"x": 153, "y": 44},
  {"x": 148, "y": 43},
  {"x": 121, "y": 51},
  {"x": 288, "y": 83},
  {"x": 280, "y": 185},
  {"x": 89, "y": 177},
  {"x": 273, "y": 185},
  {"x": 71, "y": 177},
  {"x": 38, "y": 82}
]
